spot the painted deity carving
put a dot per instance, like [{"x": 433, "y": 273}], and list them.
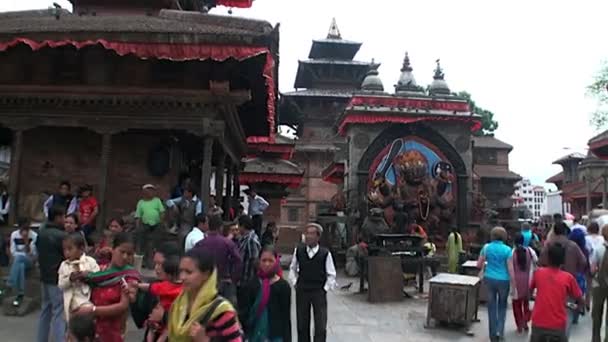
[{"x": 411, "y": 176}]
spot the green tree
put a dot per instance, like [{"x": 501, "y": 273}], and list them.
[
  {"x": 598, "y": 90},
  {"x": 488, "y": 124}
]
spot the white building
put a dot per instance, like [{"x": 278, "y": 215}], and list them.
[
  {"x": 531, "y": 196},
  {"x": 555, "y": 205}
]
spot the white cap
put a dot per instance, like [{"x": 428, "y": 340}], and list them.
[{"x": 148, "y": 186}]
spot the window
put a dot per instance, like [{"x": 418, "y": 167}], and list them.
[{"x": 293, "y": 214}]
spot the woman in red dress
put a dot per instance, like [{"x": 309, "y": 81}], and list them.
[
  {"x": 103, "y": 252},
  {"x": 110, "y": 294}
]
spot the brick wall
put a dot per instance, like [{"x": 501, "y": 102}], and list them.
[{"x": 51, "y": 155}]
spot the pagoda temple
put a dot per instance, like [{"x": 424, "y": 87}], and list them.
[
  {"x": 324, "y": 85},
  {"x": 362, "y": 147},
  {"x": 583, "y": 181},
  {"x": 118, "y": 94}
]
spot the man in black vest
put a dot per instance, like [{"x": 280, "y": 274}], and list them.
[{"x": 313, "y": 273}]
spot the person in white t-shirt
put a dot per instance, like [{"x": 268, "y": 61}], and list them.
[
  {"x": 23, "y": 253},
  {"x": 197, "y": 233}
]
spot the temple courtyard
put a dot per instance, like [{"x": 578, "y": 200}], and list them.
[{"x": 351, "y": 319}]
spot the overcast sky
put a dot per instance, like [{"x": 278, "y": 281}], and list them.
[{"x": 527, "y": 61}]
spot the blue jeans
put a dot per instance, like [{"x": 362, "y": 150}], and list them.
[
  {"x": 498, "y": 294},
  {"x": 16, "y": 277},
  {"x": 52, "y": 315}
]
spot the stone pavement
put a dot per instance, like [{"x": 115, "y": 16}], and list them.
[{"x": 351, "y": 319}]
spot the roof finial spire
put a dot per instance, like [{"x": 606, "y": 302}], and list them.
[
  {"x": 439, "y": 75},
  {"x": 334, "y": 31},
  {"x": 439, "y": 86},
  {"x": 406, "y": 63},
  {"x": 407, "y": 83}
]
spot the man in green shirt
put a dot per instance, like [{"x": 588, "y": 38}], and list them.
[{"x": 149, "y": 215}]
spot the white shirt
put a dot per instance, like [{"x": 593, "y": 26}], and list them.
[
  {"x": 596, "y": 262},
  {"x": 257, "y": 205},
  {"x": 330, "y": 269},
  {"x": 579, "y": 226},
  {"x": 17, "y": 245},
  {"x": 594, "y": 241},
  {"x": 193, "y": 238}
]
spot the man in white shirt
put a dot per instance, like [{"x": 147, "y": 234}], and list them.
[
  {"x": 313, "y": 273},
  {"x": 257, "y": 207},
  {"x": 197, "y": 233},
  {"x": 23, "y": 253}
]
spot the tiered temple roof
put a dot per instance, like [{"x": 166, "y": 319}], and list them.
[{"x": 332, "y": 52}]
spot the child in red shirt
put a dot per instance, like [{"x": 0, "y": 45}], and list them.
[
  {"x": 167, "y": 290},
  {"x": 88, "y": 208},
  {"x": 554, "y": 288}
]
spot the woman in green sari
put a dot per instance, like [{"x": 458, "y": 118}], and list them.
[
  {"x": 199, "y": 314},
  {"x": 454, "y": 248}
]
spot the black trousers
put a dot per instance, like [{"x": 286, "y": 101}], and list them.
[
  {"x": 547, "y": 335},
  {"x": 318, "y": 300},
  {"x": 257, "y": 224}
]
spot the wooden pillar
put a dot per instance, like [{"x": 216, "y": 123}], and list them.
[
  {"x": 605, "y": 191},
  {"x": 228, "y": 202},
  {"x": 237, "y": 186},
  {"x": 588, "y": 194},
  {"x": 106, "y": 152},
  {"x": 219, "y": 179},
  {"x": 15, "y": 172},
  {"x": 206, "y": 169}
]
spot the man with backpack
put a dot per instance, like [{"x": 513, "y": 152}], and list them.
[{"x": 599, "y": 285}]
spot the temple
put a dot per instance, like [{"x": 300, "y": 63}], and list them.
[
  {"x": 324, "y": 86},
  {"x": 122, "y": 93},
  {"x": 493, "y": 182},
  {"x": 583, "y": 181},
  {"x": 412, "y": 149}
]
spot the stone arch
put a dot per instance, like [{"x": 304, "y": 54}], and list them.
[{"x": 433, "y": 137}]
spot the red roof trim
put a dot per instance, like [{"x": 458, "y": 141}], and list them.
[
  {"x": 355, "y": 118},
  {"x": 176, "y": 52},
  {"x": 396, "y": 102},
  {"x": 597, "y": 145},
  {"x": 334, "y": 173},
  {"x": 292, "y": 181},
  {"x": 286, "y": 151},
  {"x": 235, "y": 3}
]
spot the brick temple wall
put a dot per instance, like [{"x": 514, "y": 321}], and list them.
[{"x": 51, "y": 155}]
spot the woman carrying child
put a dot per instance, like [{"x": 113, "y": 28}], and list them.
[
  {"x": 103, "y": 252},
  {"x": 110, "y": 294}
]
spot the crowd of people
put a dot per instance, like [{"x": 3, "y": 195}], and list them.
[
  {"x": 563, "y": 271},
  {"x": 219, "y": 280},
  {"x": 215, "y": 280}
]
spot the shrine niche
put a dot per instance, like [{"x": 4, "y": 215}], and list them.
[{"x": 412, "y": 175}]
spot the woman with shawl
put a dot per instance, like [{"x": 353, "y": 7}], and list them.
[
  {"x": 199, "y": 314},
  {"x": 521, "y": 268},
  {"x": 109, "y": 294},
  {"x": 454, "y": 248},
  {"x": 578, "y": 236},
  {"x": 266, "y": 302}
]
